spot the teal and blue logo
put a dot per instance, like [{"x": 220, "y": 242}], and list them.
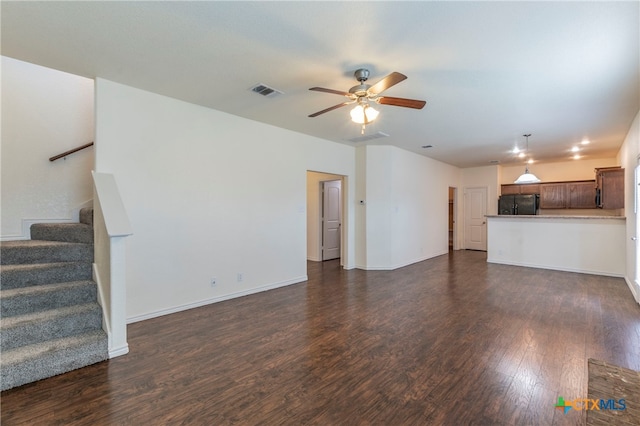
[{"x": 590, "y": 404}]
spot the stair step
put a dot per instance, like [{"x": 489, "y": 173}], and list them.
[
  {"x": 22, "y": 301},
  {"x": 15, "y": 276},
  {"x": 86, "y": 216},
  {"x": 23, "y": 330},
  {"x": 27, "y": 364},
  {"x": 37, "y": 251},
  {"x": 65, "y": 232}
]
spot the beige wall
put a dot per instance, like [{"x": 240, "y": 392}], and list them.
[
  {"x": 558, "y": 171},
  {"x": 486, "y": 176}
]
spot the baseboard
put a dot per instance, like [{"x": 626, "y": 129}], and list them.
[
  {"x": 556, "y": 268},
  {"x": 115, "y": 352},
  {"x": 635, "y": 289},
  {"x": 205, "y": 302}
]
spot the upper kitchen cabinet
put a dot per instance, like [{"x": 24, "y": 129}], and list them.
[
  {"x": 582, "y": 195},
  {"x": 553, "y": 195},
  {"x": 610, "y": 188},
  {"x": 520, "y": 189},
  {"x": 568, "y": 195}
]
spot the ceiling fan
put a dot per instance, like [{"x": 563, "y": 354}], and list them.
[{"x": 364, "y": 93}]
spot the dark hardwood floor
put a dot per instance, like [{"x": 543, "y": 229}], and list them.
[{"x": 452, "y": 340}]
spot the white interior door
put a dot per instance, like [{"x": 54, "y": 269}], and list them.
[
  {"x": 475, "y": 222},
  {"x": 331, "y": 220}
]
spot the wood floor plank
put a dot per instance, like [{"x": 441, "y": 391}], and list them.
[{"x": 451, "y": 340}]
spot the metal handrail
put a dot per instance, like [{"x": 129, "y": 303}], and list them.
[{"x": 71, "y": 151}]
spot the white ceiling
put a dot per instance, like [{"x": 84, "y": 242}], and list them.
[{"x": 489, "y": 71}]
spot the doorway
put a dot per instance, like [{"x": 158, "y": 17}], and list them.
[{"x": 325, "y": 239}]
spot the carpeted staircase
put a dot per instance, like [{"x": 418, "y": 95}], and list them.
[{"x": 50, "y": 320}]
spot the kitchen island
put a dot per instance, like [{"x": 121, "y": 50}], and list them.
[{"x": 586, "y": 244}]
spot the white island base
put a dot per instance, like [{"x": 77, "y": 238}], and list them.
[{"x": 586, "y": 244}]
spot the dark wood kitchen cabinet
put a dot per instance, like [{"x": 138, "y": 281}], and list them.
[
  {"x": 520, "y": 189},
  {"x": 610, "y": 188},
  {"x": 568, "y": 195},
  {"x": 582, "y": 195},
  {"x": 553, "y": 195}
]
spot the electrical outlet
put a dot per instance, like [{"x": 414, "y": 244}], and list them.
[
  {"x": 214, "y": 282},
  {"x": 240, "y": 276}
]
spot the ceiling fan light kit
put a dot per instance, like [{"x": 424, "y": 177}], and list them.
[
  {"x": 363, "y": 114},
  {"x": 363, "y": 93},
  {"x": 527, "y": 177}
]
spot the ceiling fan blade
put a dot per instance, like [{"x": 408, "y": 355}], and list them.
[
  {"x": 390, "y": 80},
  {"x": 335, "y": 92},
  {"x": 315, "y": 114},
  {"x": 402, "y": 102}
]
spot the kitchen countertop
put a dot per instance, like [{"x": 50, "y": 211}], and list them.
[{"x": 551, "y": 216}]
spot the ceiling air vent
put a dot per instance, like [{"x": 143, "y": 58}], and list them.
[
  {"x": 364, "y": 138},
  {"x": 264, "y": 90}
]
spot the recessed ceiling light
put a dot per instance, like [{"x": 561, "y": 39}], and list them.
[
  {"x": 575, "y": 149},
  {"x": 585, "y": 142},
  {"x": 576, "y": 157},
  {"x": 516, "y": 150},
  {"x": 521, "y": 155},
  {"x": 530, "y": 161}
]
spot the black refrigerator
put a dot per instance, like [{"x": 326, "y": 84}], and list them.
[{"x": 518, "y": 204}]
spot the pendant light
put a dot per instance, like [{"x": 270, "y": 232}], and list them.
[{"x": 527, "y": 177}]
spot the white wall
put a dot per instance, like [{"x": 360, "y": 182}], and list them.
[
  {"x": 44, "y": 113},
  {"x": 314, "y": 214},
  {"x": 407, "y": 206},
  {"x": 209, "y": 195},
  {"x": 629, "y": 159},
  {"x": 593, "y": 245}
]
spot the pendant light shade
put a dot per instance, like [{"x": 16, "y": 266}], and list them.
[{"x": 527, "y": 177}]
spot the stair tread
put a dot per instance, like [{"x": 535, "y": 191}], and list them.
[
  {"x": 34, "y": 274},
  {"x": 19, "y": 354},
  {"x": 37, "y": 298},
  {"x": 30, "y": 266},
  {"x": 38, "y": 243},
  {"x": 48, "y": 315},
  {"x": 61, "y": 225},
  {"x": 44, "y": 251},
  {"x": 66, "y": 232},
  {"x": 42, "y": 288}
]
